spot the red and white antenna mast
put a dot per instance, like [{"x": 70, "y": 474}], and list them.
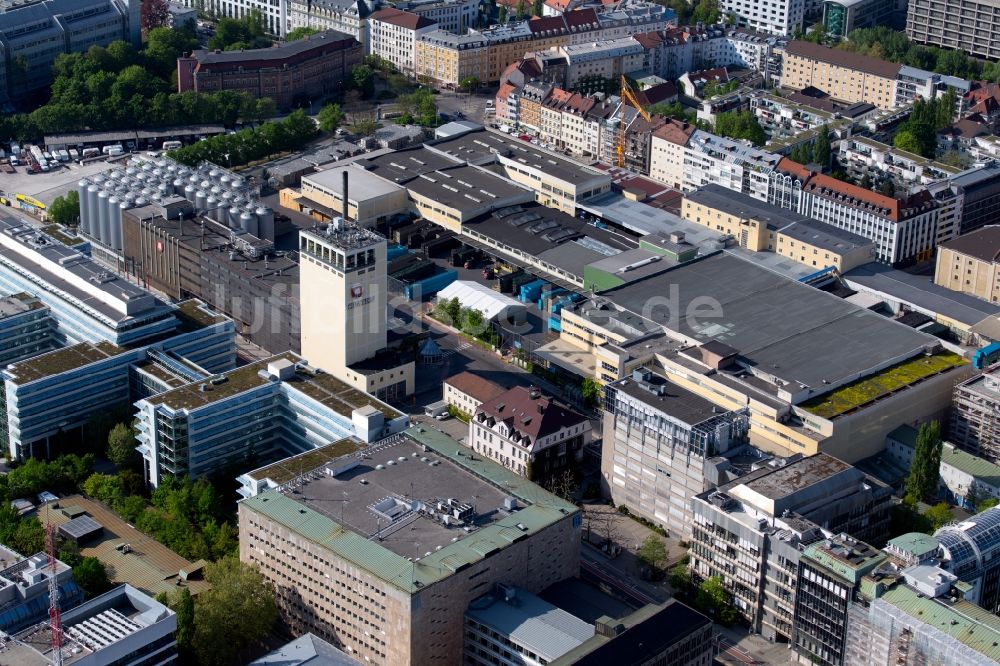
[{"x": 55, "y": 617}]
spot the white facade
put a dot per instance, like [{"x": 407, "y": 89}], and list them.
[
  {"x": 396, "y": 42},
  {"x": 733, "y": 164},
  {"x": 275, "y": 12},
  {"x": 455, "y": 16},
  {"x": 666, "y": 161},
  {"x": 347, "y": 16},
  {"x": 607, "y": 59},
  {"x": 776, "y": 17}
]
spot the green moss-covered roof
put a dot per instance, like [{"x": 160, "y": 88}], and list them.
[{"x": 859, "y": 393}]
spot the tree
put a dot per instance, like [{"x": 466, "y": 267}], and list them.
[
  {"x": 66, "y": 209},
  {"x": 939, "y": 515},
  {"x": 364, "y": 80},
  {"x": 69, "y": 553},
  {"x": 502, "y": 18},
  {"x": 821, "y": 149},
  {"x": 537, "y": 8},
  {"x": 105, "y": 488},
  {"x": 987, "y": 503},
  {"x": 680, "y": 576},
  {"x": 706, "y": 11},
  {"x": 330, "y": 118},
  {"x": 153, "y": 14},
  {"x": 521, "y": 10},
  {"x": 564, "y": 485},
  {"x": 300, "y": 33},
  {"x": 364, "y": 127},
  {"x": 654, "y": 553},
  {"x": 236, "y": 613},
  {"x": 712, "y": 598},
  {"x": 91, "y": 575},
  {"x": 121, "y": 446},
  {"x": 740, "y": 125},
  {"x": 590, "y": 388},
  {"x": 183, "y": 606},
  {"x": 925, "y": 469},
  {"x": 470, "y": 84}
]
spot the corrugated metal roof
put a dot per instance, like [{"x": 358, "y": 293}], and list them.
[{"x": 543, "y": 509}]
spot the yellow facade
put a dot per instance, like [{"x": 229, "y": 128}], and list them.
[
  {"x": 751, "y": 233},
  {"x": 841, "y": 83},
  {"x": 448, "y": 65},
  {"x": 968, "y": 274}
]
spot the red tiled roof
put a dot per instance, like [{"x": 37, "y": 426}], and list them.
[
  {"x": 658, "y": 93},
  {"x": 481, "y": 389},
  {"x": 842, "y": 58},
  {"x": 794, "y": 168},
  {"x": 401, "y": 18},
  {"x": 580, "y": 18},
  {"x": 530, "y": 413},
  {"x": 675, "y": 131},
  {"x": 830, "y": 187}
]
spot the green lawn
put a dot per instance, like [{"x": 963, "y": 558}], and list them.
[{"x": 889, "y": 380}]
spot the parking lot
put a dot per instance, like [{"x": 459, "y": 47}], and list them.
[{"x": 47, "y": 186}]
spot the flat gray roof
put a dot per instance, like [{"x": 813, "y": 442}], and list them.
[
  {"x": 483, "y": 147},
  {"x": 737, "y": 203},
  {"x": 826, "y": 236},
  {"x": 799, "y": 475},
  {"x": 919, "y": 291},
  {"x": 786, "y": 329},
  {"x": 680, "y": 403},
  {"x": 362, "y": 185}
]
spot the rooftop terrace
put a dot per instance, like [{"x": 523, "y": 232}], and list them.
[{"x": 287, "y": 469}]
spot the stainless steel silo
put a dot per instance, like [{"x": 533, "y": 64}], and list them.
[
  {"x": 247, "y": 221},
  {"x": 189, "y": 192},
  {"x": 103, "y": 230},
  {"x": 115, "y": 212},
  {"x": 234, "y": 218},
  {"x": 265, "y": 223},
  {"x": 200, "y": 200},
  {"x": 92, "y": 219}
]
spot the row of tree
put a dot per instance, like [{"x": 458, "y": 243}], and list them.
[
  {"x": 888, "y": 44},
  {"x": 188, "y": 517},
  {"x": 250, "y": 144},
  {"x": 919, "y": 133},
  {"x": 468, "y": 320},
  {"x": 740, "y": 125}
]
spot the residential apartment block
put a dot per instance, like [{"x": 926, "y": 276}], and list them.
[
  {"x": 274, "y": 12},
  {"x": 388, "y": 576},
  {"x": 971, "y": 264},
  {"x": 529, "y": 433},
  {"x": 969, "y": 26},
  {"x": 307, "y": 69},
  {"x": 33, "y": 35},
  {"x": 775, "y": 17},
  {"x": 908, "y": 172},
  {"x": 466, "y": 391},
  {"x": 394, "y": 34},
  {"x": 975, "y": 417},
  {"x": 662, "y": 445},
  {"x": 347, "y": 16},
  {"x": 845, "y": 76},
  {"x": 762, "y": 227},
  {"x": 753, "y": 530},
  {"x": 455, "y": 16}
]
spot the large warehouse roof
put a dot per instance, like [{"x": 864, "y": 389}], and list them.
[{"x": 479, "y": 297}]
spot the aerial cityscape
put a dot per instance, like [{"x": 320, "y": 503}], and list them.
[{"x": 499, "y": 332}]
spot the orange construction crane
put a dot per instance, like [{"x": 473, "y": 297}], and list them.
[{"x": 628, "y": 96}]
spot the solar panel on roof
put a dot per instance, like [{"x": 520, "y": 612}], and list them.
[{"x": 80, "y": 528}]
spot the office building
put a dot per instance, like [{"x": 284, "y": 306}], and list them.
[
  {"x": 971, "y": 264},
  {"x": 662, "y": 445},
  {"x": 182, "y": 16},
  {"x": 830, "y": 573},
  {"x": 980, "y": 187},
  {"x": 308, "y": 69},
  {"x": 344, "y": 297},
  {"x": 347, "y": 16},
  {"x": 774, "y": 17},
  {"x": 466, "y": 391},
  {"x": 388, "y": 575},
  {"x": 975, "y": 416},
  {"x": 123, "y": 626},
  {"x": 394, "y": 34},
  {"x": 34, "y": 34},
  {"x": 752, "y": 531},
  {"x": 24, "y": 589},
  {"x": 509, "y": 625},
  {"x": 271, "y": 409},
  {"x": 918, "y": 616},
  {"x": 762, "y": 227},
  {"x": 840, "y": 17},
  {"x": 27, "y": 328},
  {"x": 966, "y": 26},
  {"x": 529, "y": 433},
  {"x": 844, "y": 75}
]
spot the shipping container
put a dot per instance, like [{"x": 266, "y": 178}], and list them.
[
  {"x": 530, "y": 291},
  {"x": 427, "y": 287}
]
